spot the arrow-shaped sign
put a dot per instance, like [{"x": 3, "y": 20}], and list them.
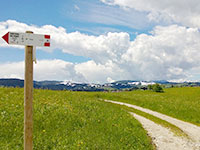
[
  {"x": 5, "y": 37},
  {"x": 15, "y": 38}
]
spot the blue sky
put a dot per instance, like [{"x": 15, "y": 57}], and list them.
[
  {"x": 89, "y": 16},
  {"x": 105, "y": 40}
]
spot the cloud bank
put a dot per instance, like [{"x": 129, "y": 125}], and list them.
[
  {"x": 170, "y": 52},
  {"x": 186, "y": 12}
]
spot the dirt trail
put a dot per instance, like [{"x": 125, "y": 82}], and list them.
[
  {"x": 163, "y": 138},
  {"x": 191, "y": 130}
]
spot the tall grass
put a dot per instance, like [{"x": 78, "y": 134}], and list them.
[{"x": 69, "y": 120}]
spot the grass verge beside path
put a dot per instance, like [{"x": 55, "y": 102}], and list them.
[
  {"x": 177, "y": 131},
  {"x": 69, "y": 120},
  {"x": 180, "y": 103}
]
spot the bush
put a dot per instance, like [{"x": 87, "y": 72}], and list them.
[
  {"x": 156, "y": 88},
  {"x": 150, "y": 87}
]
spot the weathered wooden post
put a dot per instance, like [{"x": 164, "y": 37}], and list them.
[
  {"x": 28, "y": 97},
  {"x": 29, "y": 40}
]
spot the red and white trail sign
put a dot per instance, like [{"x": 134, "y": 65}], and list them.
[{"x": 15, "y": 38}]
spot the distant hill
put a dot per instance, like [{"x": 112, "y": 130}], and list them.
[
  {"x": 53, "y": 85},
  {"x": 12, "y": 82},
  {"x": 115, "y": 86}
]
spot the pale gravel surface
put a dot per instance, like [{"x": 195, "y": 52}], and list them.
[
  {"x": 163, "y": 138},
  {"x": 190, "y": 129}
]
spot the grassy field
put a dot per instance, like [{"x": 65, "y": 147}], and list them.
[
  {"x": 181, "y": 103},
  {"x": 69, "y": 120}
]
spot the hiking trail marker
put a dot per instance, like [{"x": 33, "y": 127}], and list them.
[
  {"x": 28, "y": 38},
  {"x": 30, "y": 41}
]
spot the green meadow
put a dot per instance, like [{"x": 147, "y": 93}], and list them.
[
  {"x": 81, "y": 120},
  {"x": 69, "y": 120},
  {"x": 181, "y": 103}
]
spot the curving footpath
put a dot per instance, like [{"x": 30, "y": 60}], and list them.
[{"x": 162, "y": 137}]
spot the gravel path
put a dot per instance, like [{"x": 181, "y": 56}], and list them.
[
  {"x": 190, "y": 129},
  {"x": 163, "y": 138}
]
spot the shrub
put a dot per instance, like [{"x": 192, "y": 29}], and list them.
[
  {"x": 157, "y": 88},
  {"x": 150, "y": 87}
]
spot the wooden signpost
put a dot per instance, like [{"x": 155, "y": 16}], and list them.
[{"x": 30, "y": 40}]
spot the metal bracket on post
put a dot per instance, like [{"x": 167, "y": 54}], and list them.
[{"x": 34, "y": 54}]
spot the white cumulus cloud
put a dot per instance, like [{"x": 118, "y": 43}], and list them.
[
  {"x": 44, "y": 70},
  {"x": 186, "y": 12},
  {"x": 170, "y": 52}
]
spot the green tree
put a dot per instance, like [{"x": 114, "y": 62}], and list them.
[
  {"x": 157, "y": 88},
  {"x": 150, "y": 87}
]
